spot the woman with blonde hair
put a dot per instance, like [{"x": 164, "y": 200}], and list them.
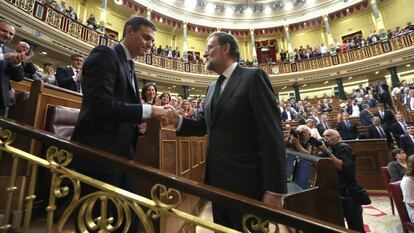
[
  {"x": 313, "y": 131},
  {"x": 185, "y": 110}
]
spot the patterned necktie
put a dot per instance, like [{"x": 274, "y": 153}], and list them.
[
  {"x": 381, "y": 132},
  {"x": 216, "y": 93},
  {"x": 131, "y": 74},
  {"x": 78, "y": 84}
]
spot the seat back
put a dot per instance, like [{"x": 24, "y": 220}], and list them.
[
  {"x": 386, "y": 178},
  {"x": 61, "y": 121},
  {"x": 399, "y": 203},
  {"x": 303, "y": 174}
]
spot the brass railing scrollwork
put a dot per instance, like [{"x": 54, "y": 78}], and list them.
[
  {"x": 165, "y": 198},
  {"x": 58, "y": 157},
  {"x": 6, "y": 137},
  {"x": 252, "y": 223}
]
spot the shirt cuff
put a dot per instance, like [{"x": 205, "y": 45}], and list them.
[
  {"x": 1, "y": 57},
  {"x": 180, "y": 123},
  {"x": 146, "y": 111}
]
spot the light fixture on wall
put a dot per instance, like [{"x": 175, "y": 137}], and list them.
[{"x": 118, "y": 2}]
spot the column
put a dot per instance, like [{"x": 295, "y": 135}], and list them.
[
  {"x": 186, "y": 91},
  {"x": 331, "y": 42},
  {"x": 341, "y": 90},
  {"x": 149, "y": 14},
  {"x": 379, "y": 23},
  {"x": 102, "y": 18},
  {"x": 185, "y": 48},
  {"x": 296, "y": 88},
  {"x": 289, "y": 43},
  {"x": 395, "y": 80},
  {"x": 254, "y": 53}
]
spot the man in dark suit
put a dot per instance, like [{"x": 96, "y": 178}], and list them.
[
  {"x": 365, "y": 116},
  {"x": 324, "y": 125},
  {"x": 110, "y": 108},
  {"x": 245, "y": 151},
  {"x": 10, "y": 64},
  {"x": 407, "y": 141},
  {"x": 288, "y": 115},
  {"x": 376, "y": 130},
  {"x": 69, "y": 77},
  {"x": 380, "y": 113},
  {"x": 347, "y": 128},
  {"x": 325, "y": 106},
  {"x": 399, "y": 128},
  {"x": 28, "y": 66}
]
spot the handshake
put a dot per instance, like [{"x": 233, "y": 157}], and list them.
[{"x": 166, "y": 114}]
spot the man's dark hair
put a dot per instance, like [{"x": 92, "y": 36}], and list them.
[
  {"x": 227, "y": 38},
  {"x": 135, "y": 22},
  {"x": 74, "y": 56},
  {"x": 46, "y": 64},
  {"x": 396, "y": 151},
  {"x": 410, "y": 166}
]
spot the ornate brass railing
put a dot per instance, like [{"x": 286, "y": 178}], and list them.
[
  {"x": 77, "y": 30},
  {"x": 165, "y": 195}
]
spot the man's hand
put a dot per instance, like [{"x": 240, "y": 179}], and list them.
[
  {"x": 172, "y": 117},
  {"x": 15, "y": 58},
  {"x": 323, "y": 148},
  {"x": 159, "y": 113},
  {"x": 273, "y": 199}
]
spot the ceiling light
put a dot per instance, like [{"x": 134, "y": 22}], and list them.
[
  {"x": 118, "y": 2},
  {"x": 326, "y": 82},
  {"x": 304, "y": 85},
  {"x": 174, "y": 86},
  {"x": 283, "y": 88},
  {"x": 376, "y": 72},
  {"x": 161, "y": 20},
  {"x": 267, "y": 10},
  {"x": 209, "y": 8},
  {"x": 350, "y": 78},
  {"x": 248, "y": 11},
  {"x": 196, "y": 29},
  {"x": 43, "y": 53},
  {"x": 289, "y": 6},
  {"x": 408, "y": 65},
  {"x": 229, "y": 10},
  {"x": 190, "y": 4},
  {"x": 347, "y": 9}
]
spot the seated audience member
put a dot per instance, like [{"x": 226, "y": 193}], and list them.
[
  {"x": 324, "y": 125},
  {"x": 281, "y": 107},
  {"x": 313, "y": 131},
  {"x": 61, "y": 6},
  {"x": 288, "y": 114},
  {"x": 149, "y": 93},
  {"x": 347, "y": 128},
  {"x": 91, "y": 22},
  {"x": 372, "y": 102},
  {"x": 407, "y": 187},
  {"x": 301, "y": 118},
  {"x": 407, "y": 141},
  {"x": 165, "y": 98},
  {"x": 397, "y": 168},
  {"x": 299, "y": 139},
  {"x": 300, "y": 107},
  {"x": 315, "y": 116},
  {"x": 186, "y": 111},
  {"x": 28, "y": 66},
  {"x": 325, "y": 106},
  {"x": 198, "y": 109},
  {"x": 174, "y": 103},
  {"x": 354, "y": 109},
  {"x": 365, "y": 116},
  {"x": 410, "y": 103},
  {"x": 69, "y": 77},
  {"x": 71, "y": 13},
  {"x": 47, "y": 75},
  {"x": 399, "y": 128}
]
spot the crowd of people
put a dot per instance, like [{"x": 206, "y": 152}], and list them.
[{"x": 358, "y": 41}]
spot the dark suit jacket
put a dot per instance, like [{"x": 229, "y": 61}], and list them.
[
  {"x": 347, "y": 133},
  {"x": 64, "y": 78},
  {"x": 285, "y": 115},
  {"x": 349, "y": 109},
  {"x": 322, "y": 129},
  {"x": 110, "y": 108},
  {"x": 324, "y": 108},
  {"x": 8, "y": 72},
  {"x": 29, "y": 70},
  {"x": 372, "y": 103},
  {"x": 246, "y": 152},
  {"x": 365, "y": 117},
  {"x": 407, "y": 145},
  {"x": 373, "y": 132},
  {"x": 397, "y": 131},
  {"x": 377, "y": 114}
]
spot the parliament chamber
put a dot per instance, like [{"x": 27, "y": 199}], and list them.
[{"x": 353, "y": 57}]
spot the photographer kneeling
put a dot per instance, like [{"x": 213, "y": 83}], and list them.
[
  {"x": 343, "y": 159},
  {"x": 300, "y": 140}
]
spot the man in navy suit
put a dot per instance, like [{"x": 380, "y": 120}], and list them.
[
  {"x": 11, "y": 67},
  {"x": 376, "y": 130},
  {"x": 347, "y": 128},
  {"x": 407, "y": 141},
  {"x": 111, "y": 109},
  {"x": 324, "y": 125},
  {"x": 399, "y": 128},
  {"x": 365, "y": 116},
  {"x": 69, "y": 77},
  {"x": 245, "y": 139}
]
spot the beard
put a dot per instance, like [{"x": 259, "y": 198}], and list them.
[{"x": 210, "y": 65}]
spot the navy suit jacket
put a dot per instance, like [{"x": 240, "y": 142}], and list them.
[
  {"x": 407, "y": 145},
  {"x": 322, "y": 129},
  {"x": 246, "y": 150},
  {"x": 373, "y": 132},
  {"x": 347, "y": 133},
  {"x": 110, "y": 107},
  {"x": 365, "y": 117},
  {"x": 64, "y": 78},
  {"x": 285, "y": 116},
  {"x": 8, "y": 72}
]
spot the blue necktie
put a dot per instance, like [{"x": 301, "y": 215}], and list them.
[{"x": 216, "y": 93}]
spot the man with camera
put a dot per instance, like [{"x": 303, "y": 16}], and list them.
[
  {"x": 343, "y": 159},
  {"x": 301, "y": 141}
]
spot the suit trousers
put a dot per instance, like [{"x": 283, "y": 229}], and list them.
[{"x": 352, "y": 213}]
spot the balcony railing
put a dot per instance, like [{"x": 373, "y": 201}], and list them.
[{"x": 79, "y": 31}]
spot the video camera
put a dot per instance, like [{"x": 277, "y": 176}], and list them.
[{"x": 316, "y": 143}]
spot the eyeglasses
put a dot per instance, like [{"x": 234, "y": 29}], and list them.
[{"x": 210, "y": 47}]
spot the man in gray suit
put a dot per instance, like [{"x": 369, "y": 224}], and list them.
[{"x": 245, "y": 151}]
